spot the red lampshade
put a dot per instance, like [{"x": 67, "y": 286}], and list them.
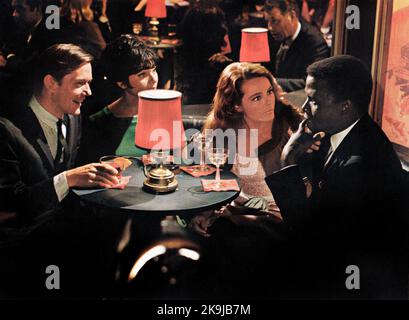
[
  {"x": 155, "y": 9},
  {"x": 160, "y": 123},
  {"x": 254, "y": 45}
]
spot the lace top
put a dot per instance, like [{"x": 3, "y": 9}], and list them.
[{"x": 253, "y": 170}]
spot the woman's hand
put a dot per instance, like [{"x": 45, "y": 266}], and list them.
[{"x": 202, "y": 222}]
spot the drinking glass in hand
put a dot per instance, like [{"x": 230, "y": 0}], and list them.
[
  {"x": 119, "y": 163},
  {"x": 171, "y": 31},
  {"x": 111, "y": 161},
  {"x": 217, "y": 157}
]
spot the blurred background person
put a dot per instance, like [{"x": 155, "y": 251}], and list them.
[
  {"x": 77, "y": 26},
  {"x": 199, "y": 60}
]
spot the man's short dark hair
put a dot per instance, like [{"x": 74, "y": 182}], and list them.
[
  {"x": 58, "y": 61},
  {"x": 347, "y": 77},
  {"x": 284, "y": 6},
  {"x": 36, "y": 4},
  {"x": 126, "y": 55}
]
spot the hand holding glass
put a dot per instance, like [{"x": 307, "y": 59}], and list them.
[{"x": 111, "y": 160}]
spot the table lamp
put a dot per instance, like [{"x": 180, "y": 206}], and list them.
[
  {"x": 155, "y": 9},
  {"x": 254, "y": 45},
  {"x": 160, "y": 128}
]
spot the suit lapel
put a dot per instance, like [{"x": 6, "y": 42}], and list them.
[
  {"x": 45, "y": 150},
  {"x": 346, "y": 151},
  {"x": 31, "y": 128}
]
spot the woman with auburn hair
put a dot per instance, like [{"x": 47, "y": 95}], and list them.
[
  {"x": 245, "y": 233},
  {"x": 248, "y": 97}
]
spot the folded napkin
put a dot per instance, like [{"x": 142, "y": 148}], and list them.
[
  {"x": 147, "y": 159},
  {"x": 122, "y": 183},
  {"x": 225, "y": 185},
  {"x": 195, "y": 171}
]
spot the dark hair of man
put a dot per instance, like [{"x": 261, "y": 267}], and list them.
[
  {"x": 58, "y": 61},
  {"x": 284, "y": 6},
  {"x": 33, "y": 4},
  {"x": 126, "y": 55},
  {"x": 346, "y": 77}
]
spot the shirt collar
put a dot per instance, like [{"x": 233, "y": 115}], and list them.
[
  {"x": 297, "y": 32},
  {"x": 42, "y": 114},
  {"x": 337, "y": 138}
]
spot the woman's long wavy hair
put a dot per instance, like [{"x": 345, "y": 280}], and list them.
[{"x": 229, "y": 94}]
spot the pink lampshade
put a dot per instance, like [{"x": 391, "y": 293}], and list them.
[
  {"x": 155, "y": 9},
  {"x": 160, "y": 123},
  {"x": 254, "y": 45}
]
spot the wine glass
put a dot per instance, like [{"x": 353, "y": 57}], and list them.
[
  {"x": 171, "y": 31},
  {"x": 217, "y": 156},
  {"x": 203, "y": 141}
]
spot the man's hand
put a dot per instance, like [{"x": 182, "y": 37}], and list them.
[
  {"x": 92, "y": 175},
  {"x": 300, "y": 142}
]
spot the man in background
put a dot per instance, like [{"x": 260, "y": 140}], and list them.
[{"x": 297, "y": 43}]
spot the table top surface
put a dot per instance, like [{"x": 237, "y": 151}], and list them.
[{"x": 189, "y": 198}]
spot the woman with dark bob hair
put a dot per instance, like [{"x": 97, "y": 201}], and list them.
[
  {"x": 248, "y": 98},
  {"x": 129, "y": 64}
]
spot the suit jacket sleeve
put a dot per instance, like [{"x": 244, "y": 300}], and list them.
[
  {"x": 289, "y": 192},
  {"x": 25, "y": 188}
]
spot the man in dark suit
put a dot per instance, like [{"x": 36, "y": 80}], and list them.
[
  {"x": 348, "y": 212},
  {"x": 297, "y": 44},
  {"x": 37, "y": 162},
  {"x": 51, "y": 121}
]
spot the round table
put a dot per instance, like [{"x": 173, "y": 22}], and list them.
[{"x": 189, "y": 198}]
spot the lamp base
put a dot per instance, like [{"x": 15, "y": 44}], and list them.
[
  {"x": 154, "y": 31},
  {"x": 160, "y": 180}
]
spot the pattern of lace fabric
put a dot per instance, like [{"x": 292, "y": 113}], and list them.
[{"x": 252, "y": 172}]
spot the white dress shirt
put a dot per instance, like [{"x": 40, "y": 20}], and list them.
[
  {"x": 337, "y": 138},
  {"x": 297, "y": 32},
  {"x": 48, "y": 123}
]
